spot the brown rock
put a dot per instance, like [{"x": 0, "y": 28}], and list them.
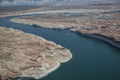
[
  {"x": 27, "y": 55},
  {"x": 89, "y": 24}
]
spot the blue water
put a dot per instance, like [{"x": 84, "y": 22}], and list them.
[{"x": 92, "y": 59}]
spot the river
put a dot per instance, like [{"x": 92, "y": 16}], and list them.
[{"x": 92, "y": 59}]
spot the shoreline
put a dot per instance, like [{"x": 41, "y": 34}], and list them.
[
  {"x": 54, "y": 68},
  {"x": 96, "y": 36},
  {"x": 49, "y": 71},
  {"x": 94, "y": 31},
  {"x": 42, "y": 65},
  {"x": 108, "y": 40}
]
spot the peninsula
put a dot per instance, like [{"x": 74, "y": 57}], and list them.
[{"x": 27, "y": 55}]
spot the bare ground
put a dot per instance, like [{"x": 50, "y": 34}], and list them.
[
  {"x": 87, "y": 21},
  {"x": 27, "y": 55}
]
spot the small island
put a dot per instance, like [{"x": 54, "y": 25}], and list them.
[{"x": 27, "y": 55}]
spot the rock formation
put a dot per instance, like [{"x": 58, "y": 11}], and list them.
[
  {"x": 106, "y": 24},
  {"x": 27, "y": 55}
]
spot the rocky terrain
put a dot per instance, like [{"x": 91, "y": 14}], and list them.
[
  {"x": 90, "y": 22},
  {"x": 27, "y": 55}
]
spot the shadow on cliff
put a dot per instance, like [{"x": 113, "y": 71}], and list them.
[{"x": 22, "y": 78}]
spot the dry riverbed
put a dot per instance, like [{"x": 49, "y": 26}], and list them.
[{"x": 27, "y": 55}]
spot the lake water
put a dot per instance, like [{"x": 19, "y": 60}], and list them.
[{"x": 92, "y": 59}]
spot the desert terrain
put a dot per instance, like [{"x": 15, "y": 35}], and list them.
[
  {"x": 18, "y": 48},
  {"x": 27, "y": 55},
  {"x": 96, "y": 19}
]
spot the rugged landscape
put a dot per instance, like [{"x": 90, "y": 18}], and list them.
[
  {"x": 101, "y": 21},
  {"x": 27, "y": 55}
]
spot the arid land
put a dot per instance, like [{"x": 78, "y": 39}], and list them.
[
  {"x": 27, "y": 55},
  {"x": 13, "y": 10},
  {"x": 96, "y": 19},
  {"x": 40, "y": 55}
]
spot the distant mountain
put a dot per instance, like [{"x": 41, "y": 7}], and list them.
[{"x": 26, "y": 2}]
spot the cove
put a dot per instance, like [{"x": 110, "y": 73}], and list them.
[{"x": 92, "y": 59}]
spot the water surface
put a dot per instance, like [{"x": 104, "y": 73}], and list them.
[{"x": 92, "y": 59}]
